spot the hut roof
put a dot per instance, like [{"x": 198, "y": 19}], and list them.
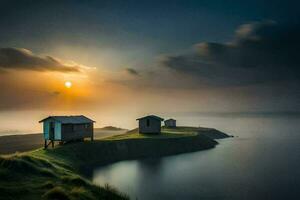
[
  {"x": 170, "y": 120},
  {"x": 76, "y": 119},
  {"x": 151, "y": 116}
]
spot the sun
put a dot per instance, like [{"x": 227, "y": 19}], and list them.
[{"x": 68, "y": 84}]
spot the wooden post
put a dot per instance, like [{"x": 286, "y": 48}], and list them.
[
  {"x": 92, "y": 138},
  {"x": 52, "y": 144},
  {"x": 45, "y": 145}
]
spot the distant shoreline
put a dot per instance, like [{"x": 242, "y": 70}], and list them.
[
  {"x": 3, "y": 134},
  {"x": 25, "y": 142},
  {"x": 264, "y": 114},
  {"x": 16, "y": 132}
]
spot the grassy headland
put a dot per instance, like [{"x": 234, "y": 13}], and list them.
[
  {"x": 181, "y": 131},
  {"x": 59, "y": 173},
  {"x": 165, "y": 133},
  {"x": 36, "y": 175}
]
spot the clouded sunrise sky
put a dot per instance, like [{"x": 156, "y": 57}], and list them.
[{"x": 115, "y": 61}]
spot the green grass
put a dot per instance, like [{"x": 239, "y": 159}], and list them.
[
  {"x": 165, "y": 133},
  {"x": 36, "y": 175}
]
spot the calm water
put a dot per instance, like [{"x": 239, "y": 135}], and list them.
[{"x": 263, "y": 162}]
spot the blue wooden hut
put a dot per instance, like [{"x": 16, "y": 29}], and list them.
[{"x": 67, "y": 128}]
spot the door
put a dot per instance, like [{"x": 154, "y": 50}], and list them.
[{"x": 51, "y": 131}]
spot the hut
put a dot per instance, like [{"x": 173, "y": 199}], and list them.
[
  {"x": 170, "y": 123},
  {"x": 150, "y": 124},
  {"x": 67, "y": 128}
]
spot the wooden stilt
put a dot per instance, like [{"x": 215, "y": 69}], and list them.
[
  {"x": 45, "y": 145},
  {"x": 52, "y": 143}
]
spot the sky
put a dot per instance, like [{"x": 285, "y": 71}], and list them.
[{"x": 126, "y": 59}]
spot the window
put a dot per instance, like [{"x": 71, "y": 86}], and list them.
[
  {"x": 148, "y": 122},
  {"x": 86, "y": 126}
]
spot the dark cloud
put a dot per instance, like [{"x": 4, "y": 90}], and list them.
[
  {"x": 23, "y": 59},
  {"x": 259, "y": 52},
  {"x": 132, "y": 71}
]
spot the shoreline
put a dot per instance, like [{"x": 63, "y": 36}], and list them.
[
  {"x": 108, "y": 152},
  {"x": 84, "y": 156}
]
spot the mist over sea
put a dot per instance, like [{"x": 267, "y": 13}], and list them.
[{"x": 27, "y": 122}]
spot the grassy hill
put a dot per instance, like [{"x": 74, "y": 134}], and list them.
[
  {"x": 59, "y": 173},
  {"x": 36, "y": 175}
]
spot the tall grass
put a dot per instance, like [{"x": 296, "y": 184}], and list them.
[{"x": 25, "y": 177}]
